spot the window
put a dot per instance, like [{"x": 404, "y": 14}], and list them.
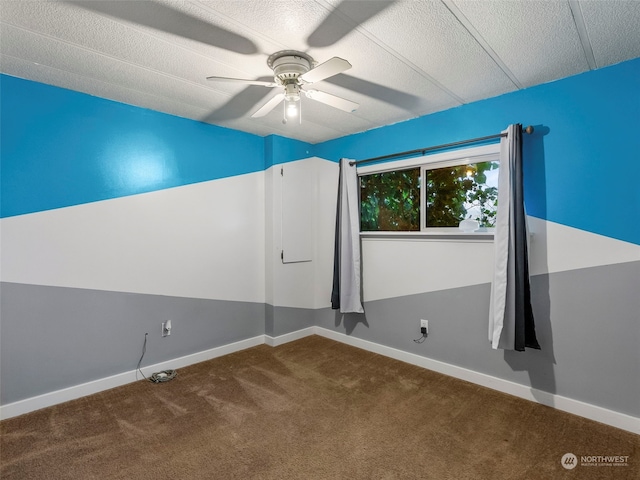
[
  {"x": 437, "y": 191},
  {"x": 390, "y": 201},
  {"x": 461, "y": 192}
]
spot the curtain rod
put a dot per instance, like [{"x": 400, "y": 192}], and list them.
[{"x": 528, "y": 130}]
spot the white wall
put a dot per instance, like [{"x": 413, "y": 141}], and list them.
[{"x": 204, "y": 240}]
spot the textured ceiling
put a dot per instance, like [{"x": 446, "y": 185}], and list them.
[{"x": 409, "y": 58}]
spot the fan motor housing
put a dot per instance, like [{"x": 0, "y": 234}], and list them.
[{"x": 288, "y": 65}]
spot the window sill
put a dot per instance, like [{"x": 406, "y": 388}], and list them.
[{"x": 435, "y": 234}]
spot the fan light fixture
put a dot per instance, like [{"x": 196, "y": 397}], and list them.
[
  {"x": 294, "y": 71},
  {"x": 292, "y": 103}
]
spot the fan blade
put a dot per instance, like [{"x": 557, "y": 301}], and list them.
[
  {"x": 239, "y": 105},
  {"x": 331, "y": 67},
  {"x": 343, "y": 19},
  {"x": 166, "y": 19},
  {"x": 401, "y": 99},
  {"x": 241, "y": 80},
  {"x": 332, "y": 100},
  {"x": 270, "y": 105}
]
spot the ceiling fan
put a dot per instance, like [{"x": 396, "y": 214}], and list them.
[
  {"x": 343, "y": 19},
  {"x": 293, "y": 71}
]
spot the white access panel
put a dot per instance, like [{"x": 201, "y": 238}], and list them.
[{"x": 297, "y": 212}]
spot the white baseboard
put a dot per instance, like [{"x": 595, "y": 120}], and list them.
[
  {"x": 64, "y": 395},
  {"x": 576, "y": 407},
  {"x": 288, "y": 337}
]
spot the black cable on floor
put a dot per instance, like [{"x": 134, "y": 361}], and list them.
[{"x": 158, "y": 377}]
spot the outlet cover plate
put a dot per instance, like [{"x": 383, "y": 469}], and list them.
[{"x": 424, "y": 324}]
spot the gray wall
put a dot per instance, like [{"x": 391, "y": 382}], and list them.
[
  {"x": 587, "y": 321},
  {"x": 283, "y": 320},
  {"x": 53, "y": 337}
]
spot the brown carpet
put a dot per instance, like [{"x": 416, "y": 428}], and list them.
[{"x": 310, "y": 409}]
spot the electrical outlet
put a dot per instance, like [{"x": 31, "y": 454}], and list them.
[
  {"x": 166, "y": 328},
  {"x": 424, "y": 324}
]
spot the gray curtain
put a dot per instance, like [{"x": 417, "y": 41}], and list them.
[
  {"x": 511, "y": 322},
  {"x": 345, "y": 294}
]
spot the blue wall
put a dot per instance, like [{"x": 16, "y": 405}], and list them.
[
  {"x": 62, "y": 148},
  {"x": 579, "y": 165},
  {"x": 282, "y": 150}
]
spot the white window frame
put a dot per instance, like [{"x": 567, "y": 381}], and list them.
[{"x": 462, "y": 156}]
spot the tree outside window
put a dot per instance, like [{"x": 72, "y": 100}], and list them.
[
  {"x": 390, "y": 201},
  {"x": 462, "y": 192}
]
